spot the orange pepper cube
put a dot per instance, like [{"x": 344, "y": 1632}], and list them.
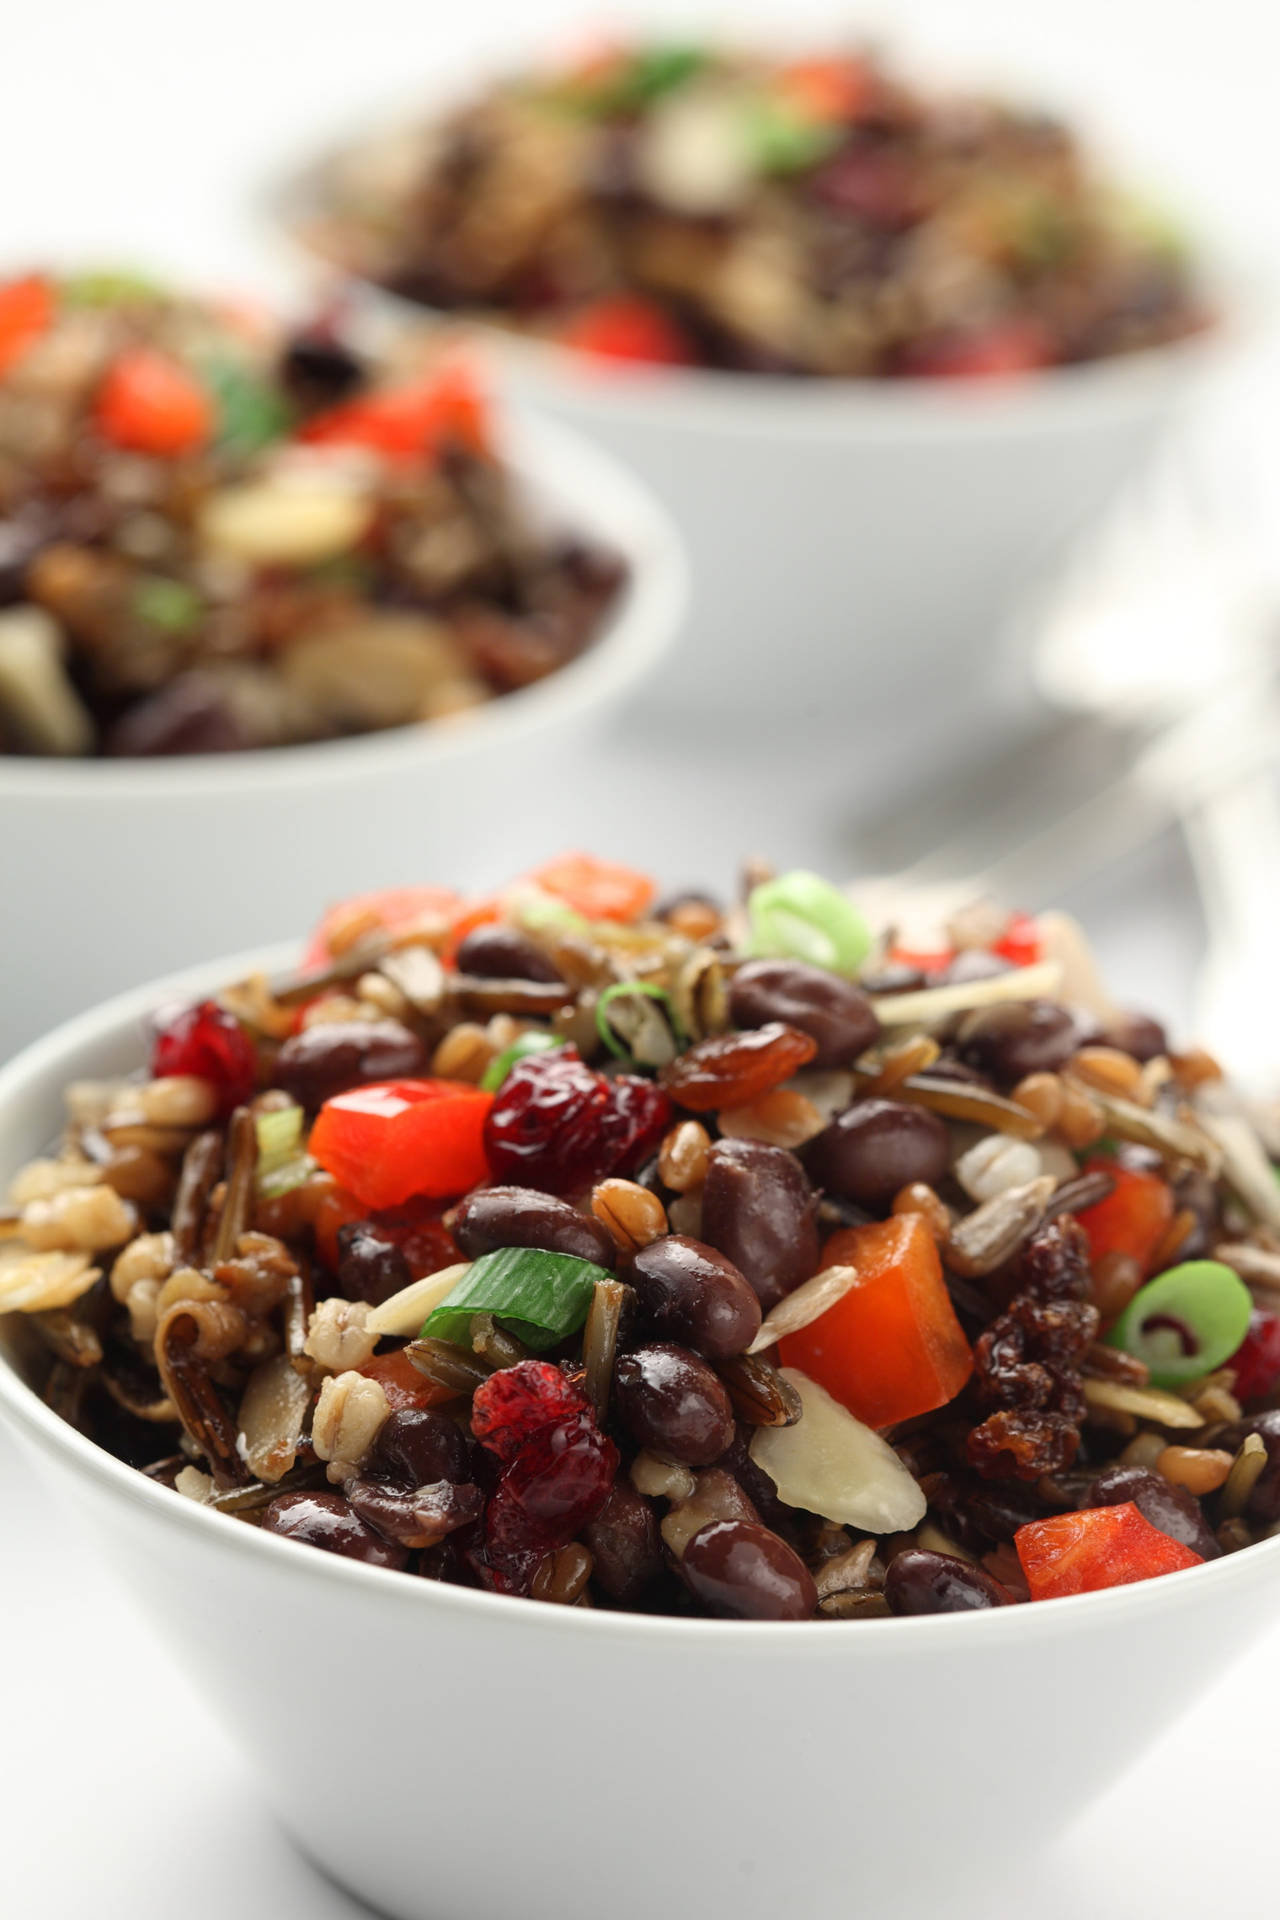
[
  {"x": 891, "y": 1347},
  {"x": 1134, "y": 1217}
]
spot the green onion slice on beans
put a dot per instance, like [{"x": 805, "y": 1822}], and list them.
[
  {"x": 623, "y": 989},
  {"x": 540, "y": 1297},
  {"x": 800, "y": 916},
  {"x": 535, "y": 1041},
  {"x": 282, "y": 1163},
  {"x": 1185, "y": 1322}
]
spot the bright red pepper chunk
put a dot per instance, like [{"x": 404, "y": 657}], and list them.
[
  {"x": 1005, "y": 347},
  {"x": 627, "y": 327},
  {"x": 891, "y": 1347},
  {"x": 1020, "y": 943},
  {"x": 400, "y": 1138},
  {"x": 149, "y": 403},
  {"x": 597, "y": 889},
  {"x": 415, "y": 421},
  {"x": 1133, "y": 1219},
  {"x": 1256, "y": 1362},
  {"x": 26, "y": 312},
  {"x": 1100, "y": 1547}
]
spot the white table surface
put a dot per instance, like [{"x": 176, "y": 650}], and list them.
[{"x": 140, "y": 128}]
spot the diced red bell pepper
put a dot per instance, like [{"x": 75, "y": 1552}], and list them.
[
  {"x": 403, "y": 1385},
  {"x": 389, "y": 1142},
  {"x": 1100, "y": 1547},
  {"x": 26, "y": 311},
  {"x": 1133, "y": 1219},
  {"x": 891, "y": 1347},
  {"x": 388, "y": 910},
  {"x": 828, "y": 90},
  {"x": 413, "y": 421},
  {"x": 932, "y": 960},
  {"x": 627, "y": 327},
  {"x": 597, "y": 889},
  {"x": 1020, "y": 943},
  {"x": 149, "y": 403},
  {"x": 1256, "y": 1362}
]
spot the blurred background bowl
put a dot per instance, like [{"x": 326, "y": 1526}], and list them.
[{"x": 138, "y": 865}]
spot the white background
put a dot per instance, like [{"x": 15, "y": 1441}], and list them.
[{"x": 130, "y": 127}]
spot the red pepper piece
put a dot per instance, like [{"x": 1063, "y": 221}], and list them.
[
  {"x": 149, "y": 403},
  {"x": 398, "y": 1138},
  {"x": 26, "y": 311},
  {"x": 414, "y": 421},
  {"x": 892, "y": 1347},
  {"x": 627, "y": 327},
  {"x": 1133, "y": 1219},
  {"x": 1100, "y": 1547}
]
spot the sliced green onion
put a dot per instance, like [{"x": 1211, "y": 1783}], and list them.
[
  {"x": 108, "y": 288},
  {"x": 169, "y": 604},
  {"x": 620, "y": 990},
  {"x": 540, "y": 1297},
  {"x": 800, "y": 916},
  {"x": 282, "y": 1176},
  {"x": 279, "y": 1132},
  {"x": 540, "y": 912},
  {"x": 535, "y": 1041},
  {"x": 784, "y": 140},
  {"x": 1185, "y": 1322},
  {"x": 251, "y": 412}
]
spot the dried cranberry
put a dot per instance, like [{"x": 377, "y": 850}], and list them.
[
  {"x": 557, "y": 1482},
  {"x": 517, "y": 1403},
  {"x": 559, "y": 1126},
  {"x": 1257, "y": 1359},
  {"x": 208, "y": 1043}
]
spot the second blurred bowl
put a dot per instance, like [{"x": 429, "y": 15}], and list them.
[{"x": 111, "y": 869}]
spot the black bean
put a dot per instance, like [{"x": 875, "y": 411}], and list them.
[
  {"x": 1138, "y": 1034},
  {"x": 1016, "y": 1038},
  {"x": 1172, "y": 1509},
  {"x": 759, "y": 1210},
  {"x": 522, "y": 1217},
  {"x": 691, "y": 1293},
  {"x": 319, "y": 369},
  {"x": 874, "y": 1149},
  {"x": 192, "y": 714},
  {"x": 742, "y": 1570},
  {"x": 325, "y": 1520},
  {"x": 370, "y": 1267},
  {"x": 832, "y": 1011},
  {"x": 326, "y": 1059},
  {"x": 625, "y": 1545},
  {"x": 922, "y": 1582},
  {"x": 670, "y": 1400},
  {"x": 417, "y": 1446},
  {"x": 504, "y": 953}
]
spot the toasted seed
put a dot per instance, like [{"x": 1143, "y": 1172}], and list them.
[
  {"x": 993, "y": 1232},
  {"x": 866, "y": 1605},
  {"x": 1109, "y": 1070},
  {"x": 804, "y": 1304},
  {"x": 1246, "y": 1468},
  {"x": 1040, "y": 1094},
  {"x": 1079, "y": 1121},
  {"x": 447, "y": 1366},
  {"x": 760, "y": 1395},
  {"x": 562, "y": 1576},
  {"x": 1147, "y": 1403},
  {"x": 845, "y": 1572},
  {"x": 465, "y": 1053}
]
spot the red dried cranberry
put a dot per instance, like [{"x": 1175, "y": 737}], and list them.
[
  {"x": 517, "y": 1403},
  {"x": 557, "y": 1482},
  {"x": 210, "y": 1044},
  {"x": 559, "y": 1126},
  {"x": 1257, "y": 1360}
]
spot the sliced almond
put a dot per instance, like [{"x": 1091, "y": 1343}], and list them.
[
  {"x": 405, "y": 1311},
  {"x": 1145, "y": 1403},
  {"x": 832, "y": 1465},
  {"x": 932, "y": 1004},
  {"x": 32, "y": 1282},
  {"x": 808, "y": 1303}
]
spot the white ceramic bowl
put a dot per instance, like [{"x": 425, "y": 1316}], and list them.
[
  {"x": 454, "y": 1755},
  {"x": 111, "y": 871},
  {"x": 856, "y": 544}
]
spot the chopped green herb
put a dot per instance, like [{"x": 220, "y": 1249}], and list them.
[
  {"x": 108, "y": 289},
  {"x": 784, "y": 140},
  {"x": 535, "y": 1041},
  {"x": 540, "y": 1297},
  {"x": 1185, "y": 1322},
  {"x": 251, "y": 412},
  {"x": 625, "y": 989},
  {"x": 279, "y": 1132},
  {"x": 800, "y": 916},
  {"x": 169, "y": 604}
]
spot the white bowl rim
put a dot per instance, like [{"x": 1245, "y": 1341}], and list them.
[
  {"x": 42, "y": 1066},
  {"x": 597, "y": 497},
  {"x": 1059, "y": 399}
]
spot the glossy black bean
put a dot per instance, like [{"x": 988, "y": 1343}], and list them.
[
  {"x": 625, "y": 1545},
  {"x": 522, "y": 1217},
  {"x": 319, "y": 369},
  {"x": 689, "y": 1292},
  {"x": 1172, "y": 1509},
  {"x": 743, "y": 1571},
  {"x": 1138, "y": 1034},
  {"x": 760, "y": 1211},
  {"x": 874, "y": 1149},
  {"x": 416, "y": 1447},
  {"x": 325, "y": 1520},
  {"x": 919, "y": 1581},
  {"x": 833, "y": 1012},
  {"x": 326, "y": 1059},
  {"x": 191, "y": 714},
  {"x": 504, "y": 953},
  {"x": 670, "y": 1400},
  {"x": 370, "y": 1267},
  {"x": 1016, "y": 1038}
]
